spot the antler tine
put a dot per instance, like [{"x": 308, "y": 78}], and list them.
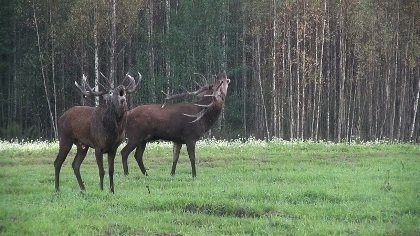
[
  {"x": 107, "y": 80},
  {"x": 198, "y": 116},
  {"x": 131, "y": 83},
  {"x": 186, "y": 93},
  {"x": 203, "y": 77},
  {"x": 82, "y": 87},
  {"x": 205, "y": 105},
  {"x": 125, "y": 77},
  {"x": 89, "y": 92}
]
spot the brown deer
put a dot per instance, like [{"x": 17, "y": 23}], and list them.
[
  {"x": 101, "y": 128},
  {"x": 181, "y": 123}
]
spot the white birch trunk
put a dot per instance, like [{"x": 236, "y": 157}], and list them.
[
  {"x": 96, "y": 45},
  {"x": 113, "y": 44},
  {"x": 44, "y": 77}
]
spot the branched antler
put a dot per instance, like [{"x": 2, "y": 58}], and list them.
[
  {"x": 197, "y": 116},
  {"x": 187, "y": 93},
  {"x": 132, "y": 85},
  {"x": 213, "y": 95},
  {"x": 89, "y": 91}
]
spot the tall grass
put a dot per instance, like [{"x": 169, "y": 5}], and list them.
[{"x": 243, "y": 187}]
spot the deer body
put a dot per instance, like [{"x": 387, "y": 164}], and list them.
[
  {"x": 152, "y": 122},
  {"x": 172, "y": 122},
  {"x": 92, "y": 127},
  {"x": 101, "y": 128}
]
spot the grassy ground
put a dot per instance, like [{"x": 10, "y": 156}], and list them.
[{"x": 277, "y": 188}]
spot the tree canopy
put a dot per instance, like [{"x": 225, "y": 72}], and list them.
[{"x": 323, "y": 70}]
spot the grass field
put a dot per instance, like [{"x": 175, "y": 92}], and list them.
[{"x": 277, "y": 188}]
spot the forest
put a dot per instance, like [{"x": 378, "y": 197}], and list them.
[{"x": 321, "y": 70}]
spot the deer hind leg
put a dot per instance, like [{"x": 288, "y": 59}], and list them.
[
  {"x": 176, "y": 150},
  {"x": 100, "y": 162},
  {"x": 191, "y": 154},
  {"x": 125, "y": 152},
  {"x": 63, "y": 151},
  {"x": 139, "y": 157},
  {"x": 111, "y": 158},
  {"x": 80, "y": 156}
]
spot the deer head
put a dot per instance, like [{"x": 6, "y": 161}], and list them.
[
  {"x": 216, "y": 91},
  {"x": 116, "y": 98}
]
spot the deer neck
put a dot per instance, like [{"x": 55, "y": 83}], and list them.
[{"x": 213, "y": 113}]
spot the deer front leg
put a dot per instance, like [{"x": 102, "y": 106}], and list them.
[
  {"x": 176, "y": 150},
  {"x": 191, "y": 154},
  {"x": 139, "y": 157},
  {"x": 111, "y": 158},
  {"x": 100, "y": 162}
]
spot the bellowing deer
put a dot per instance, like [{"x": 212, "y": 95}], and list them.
[
  {"x": 101, "y": 128},
  {"x": 181, "y": 123}
]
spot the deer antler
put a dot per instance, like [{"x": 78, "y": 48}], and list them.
[
  {"x": 206, "y": 107},
  {"x": 180, "y": 95},
  {"x": 197, "y": 116},
  {"x": 197, "y": 92},
  {"x": 202, "y": 77},
  {"x": 132, "y": 85},
  {"x": 89, "y": 92}
]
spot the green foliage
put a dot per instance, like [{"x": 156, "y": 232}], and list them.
[
  {"x": 15, "y": 131},
  {"x": 276, "y": 188}
]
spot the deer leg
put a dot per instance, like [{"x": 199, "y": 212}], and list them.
[
  {"x": 176, "y": 150},
  {"x": 139, "y": 157},
  {"x": 191, "y": 154},
  {"x": 125, "y": 152},
  {"x": 80, "y": 156},
  {"x": 100, "y": 162},
  {"x": 61, "y": 156},
  {"x": 111, "y": 158}
]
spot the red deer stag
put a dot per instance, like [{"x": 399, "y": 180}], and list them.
[
  {"x": 101, "y": 128},
  {"x": 181, "y": 123}
]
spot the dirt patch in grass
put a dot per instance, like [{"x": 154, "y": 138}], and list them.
[
  {"x": 312, "y": 197},
  {"x": 221, "y": 210}
]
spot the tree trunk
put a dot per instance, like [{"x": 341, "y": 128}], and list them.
[
  {"x": 415, "y": 106},
  {"x": 297, "y": 79},
  {"x": 401, "y": 112},
  {"x": 318, "y": 117},
  {"x": 303, "y": 118},
  {"x": 96, "y": 45},
  {"x": 53, "y": 70},
  {"x": 268, "y": 137},
  {"x": 44, "y": 77},
  {"x": 289, "y": 57},
  {"x": 113, "y": 40},
  {"x": 341, "y": 111},
  {"x": 244, "y": 82},
  {"x": 151, "y": 53},
  {"x": 167, "y": 60},
  {"x": 315, "y": 90},
  {"x": 393, "y": 107},
  {"x": 274, "y": 75}
]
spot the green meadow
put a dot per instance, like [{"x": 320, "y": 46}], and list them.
[{"x": 258, "y": 188}]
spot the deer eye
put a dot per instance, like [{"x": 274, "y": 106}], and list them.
[
  {"x": 121, "y": 92},
  {"x": 110, "y": 92}
]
